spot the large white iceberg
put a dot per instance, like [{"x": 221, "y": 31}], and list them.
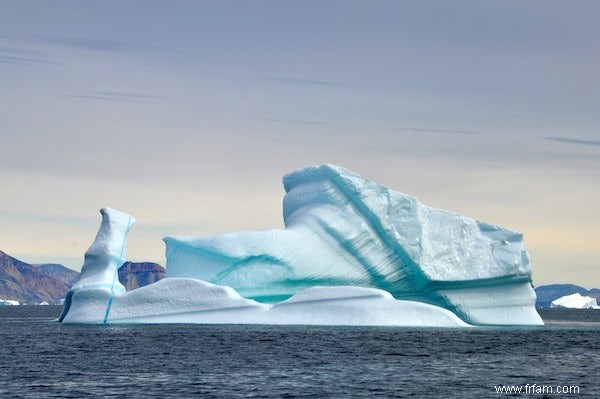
[
  {"x": 352, "y": 252},
  {"x": 575, "y": 301}
]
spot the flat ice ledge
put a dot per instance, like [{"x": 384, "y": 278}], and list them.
[{"x": 180, "y": 300}]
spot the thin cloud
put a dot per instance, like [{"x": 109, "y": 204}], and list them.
[
  {"x": 470, "y": 88},
  {"x": 21, "y": 56},
  {"x": 19, "y": 51},
  {"x": 119, "y": 94},
  {"x": 444, "y": 131},
  {"x": 114, "y": 96},
  {"x": 90, "y": 44},
  {"x": 568, "y": 140},
  {"x": 15, "y": 60},
  {"x": 309, "y": 82},
  {"x": 19, "y": 216},
  {"x": 84, "y": 43},
  {"x": 294, "y": 121}
]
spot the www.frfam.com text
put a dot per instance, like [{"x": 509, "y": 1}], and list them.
[{"x": 535, "y": 388}]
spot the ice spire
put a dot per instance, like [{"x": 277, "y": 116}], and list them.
[{"x": 104, "y": 257}]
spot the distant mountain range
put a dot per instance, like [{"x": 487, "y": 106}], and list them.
[
  {"x": 48, "y": 283},
  {"x": 26, "y": 283},
  {"x": 134, "y": 275}
]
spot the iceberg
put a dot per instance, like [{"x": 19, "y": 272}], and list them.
[
  {"x": 575, "y": 301},
  {"x": 100, "y": 270},
  {"x": 352, "y": 252}
]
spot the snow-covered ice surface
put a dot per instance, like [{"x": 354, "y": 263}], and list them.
[
  {"x": 353, "y": 252},
  {"x": 180, "y": 300},
  {"x": 575, "y": 301}
]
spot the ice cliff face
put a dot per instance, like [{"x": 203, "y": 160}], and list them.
[{"x": 344, "y": 230}]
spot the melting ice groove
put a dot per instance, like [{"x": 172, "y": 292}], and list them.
[{"x": 352, "y": 253}]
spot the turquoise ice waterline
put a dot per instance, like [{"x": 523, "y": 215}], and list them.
[{"x": 116, "y": 274}]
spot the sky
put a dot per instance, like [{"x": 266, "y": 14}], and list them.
[{"x": 186, "y": 114}]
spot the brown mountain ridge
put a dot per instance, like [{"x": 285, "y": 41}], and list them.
[{"x": 35, "y": 284}]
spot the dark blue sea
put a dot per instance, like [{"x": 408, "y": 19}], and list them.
[{"x": 41, "y": 358}]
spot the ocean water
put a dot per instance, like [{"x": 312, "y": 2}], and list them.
[{"x": 40, "y": 358}]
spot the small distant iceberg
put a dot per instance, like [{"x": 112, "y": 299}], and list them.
[
  {"x": 575, "y": 301},
  {"x": 352, "y": 252},
  {"x": 8, "y": 302}
]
